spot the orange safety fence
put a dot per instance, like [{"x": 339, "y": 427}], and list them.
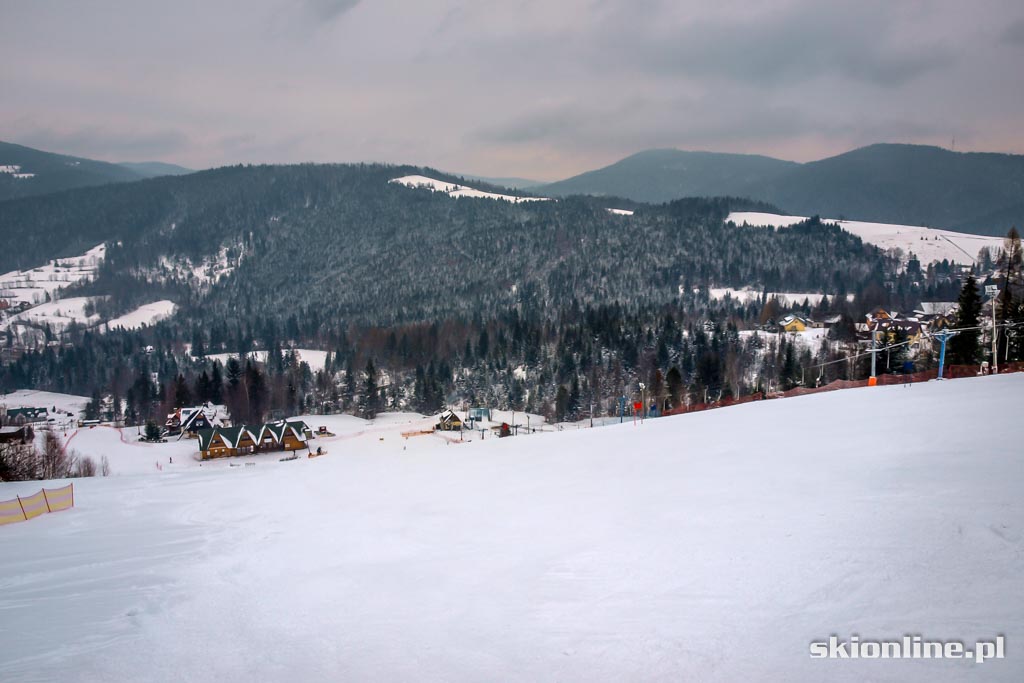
[
  {"x": 950, "y": 372},
  {"x": 24, "y": 508}
]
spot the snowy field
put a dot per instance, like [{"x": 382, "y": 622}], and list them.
[
  {"x": 710, "y": 546},
  {"x": 454, "y": 190},
  {"x": 929, "y": 244},
  {"x": 57, "y": 314},
  {"x": 747, "y": 295},
  {"x": 35, "y": 284},
  {"x": 315, "y": 358},
  {"x": 147, "y": 314}
]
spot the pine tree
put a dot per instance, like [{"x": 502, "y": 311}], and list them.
[
  {"x": 963, "y": 348},
  {"x": 182, "y": 395},
  {"x": 216, "y": 385},
  {"x": 675, "y": 386},
  {"x": 152, "y": 431},
  {"x": 369, "y": 401},
  {"x": 561, "y": 403}
]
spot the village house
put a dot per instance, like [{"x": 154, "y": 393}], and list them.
[
  {"x": 188, "y": 421},
  {"x": 224, "y": 442},
  {"x": 21, "y": 416},
  {"x": 449, "y": 422},
  {"x": 794, "y": 323}
]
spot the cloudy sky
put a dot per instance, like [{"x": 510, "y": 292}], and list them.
[{"x": 541, "y": 89}]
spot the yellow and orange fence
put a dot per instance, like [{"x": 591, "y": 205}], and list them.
[{"x": 25, "y": 508}]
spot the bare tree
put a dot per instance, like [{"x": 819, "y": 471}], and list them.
[
  {"x": 54, "y": 460},
  {"x": 18, "y": 462}
]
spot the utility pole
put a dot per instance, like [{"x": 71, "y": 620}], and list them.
[
  {"x": 873, "y": 380},
  {"x": 993, "y": 290},
  {"x": 943, "y": 337}
]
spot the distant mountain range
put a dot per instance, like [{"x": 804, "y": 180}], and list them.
[
  {"x": 981, "y": 193},
  {"x": 26, "y": 172}
]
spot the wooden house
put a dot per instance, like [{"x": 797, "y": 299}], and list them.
[
  {"x": 449, "y": 422},
  {"x": 793, "y": 323},
  {"x": 282, "y": 435}
]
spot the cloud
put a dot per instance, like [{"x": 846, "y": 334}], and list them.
[
  {"x": 795, "y": 43},
  {"x": 100, "y": 142},
  {"x": 329, "y": 10},
  {"x": 1014, "y": 33}
]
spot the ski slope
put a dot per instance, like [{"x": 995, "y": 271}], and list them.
[
  {"x": 928, "y": 244},
  {"x": 710, "y": 546}
]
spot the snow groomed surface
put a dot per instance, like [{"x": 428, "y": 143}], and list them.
[{"x": 711, "y": 546}]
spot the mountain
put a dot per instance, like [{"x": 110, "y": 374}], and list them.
[
  {"x": 893, "y": 183},
  {"x": 25, "y": 172},
  {"x": 661, "y": 175},
  {"x": 154, "y": 169},
  {"x": 909, "y": 184},
  {"x": 345, "y": 242},
  {"x": 510, "y": 182}
]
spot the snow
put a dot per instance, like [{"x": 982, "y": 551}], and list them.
[
  {"x": 455, "y": 190},
  {"x": 35, "y": 284},
  {"x": 709, "y": 546},
  {"x": 146, "y": 314},
  {"x": 747, "y": 295},
  {"x": 30, "y": 398},
  {"x": 57, "y": 314},
  {"x": 621, "y": 212},
  {"x": 928, "y": 244},
  {"x": 315, "y": 358}
]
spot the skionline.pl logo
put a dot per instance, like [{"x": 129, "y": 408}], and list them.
[{"x": 907, "y": 647}]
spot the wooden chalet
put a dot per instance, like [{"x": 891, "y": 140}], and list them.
[
  {"x": 794, "y": 323},
  {"x": 225, "y": 442},
  {"x": 449, "y": 422}
]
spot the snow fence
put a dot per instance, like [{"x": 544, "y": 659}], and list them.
[{"x": 22, "y": 509}]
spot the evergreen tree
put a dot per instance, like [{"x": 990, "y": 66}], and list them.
[
  {"x": 182, "y": 395},
  {"x": 561, "y": 403},
  {"x": 963, "y": 348},
  {"x": 216, "y": 385},
  {"x": 369, "y": 401},
  {"x": 152, "y": 431}
]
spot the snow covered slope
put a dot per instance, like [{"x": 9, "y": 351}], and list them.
[
  {"x": 711, "y": 546},
  {"x": 35, "y": 284},
  {"x": 57, "y": 314},
  {"x": 929, "y": 244},
  {"x": 455, "y": 190},
  {"x": 147, "y": 314}
]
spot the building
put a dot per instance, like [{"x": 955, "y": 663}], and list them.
[
  {"x": 225, "y": 442},
  {"x": 21, "y": 434},
  {"x": 188, "y": 421},
  {"x": 449, "y": 422},
  {"x": 478, "y": 414},
  {"x": 794, "y": 323},
  {"x": 21, "y": 416}
]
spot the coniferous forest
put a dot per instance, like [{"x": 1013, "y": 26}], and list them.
[{"x": 424, "y": 301}]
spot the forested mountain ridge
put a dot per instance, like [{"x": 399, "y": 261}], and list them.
[
  {"x": 661, "y": 175},
  {"x": 540, "y": 305},
  {"x": 891, "y": 183},
  {"x": 281, "y": 238},
  {"x": 30, "y": 172}
]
